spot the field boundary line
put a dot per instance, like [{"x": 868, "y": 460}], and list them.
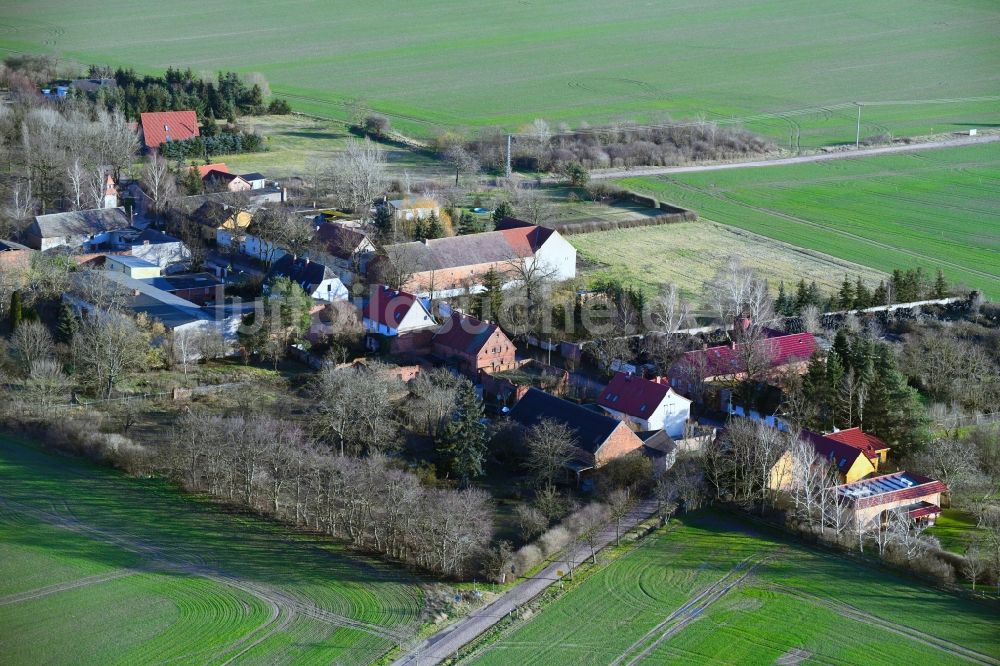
[{"x": 76, "y": 583}]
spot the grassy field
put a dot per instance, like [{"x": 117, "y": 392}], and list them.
[
  {"x": 954, "y": 529},
  {"x": 709, "y": 591},
  {"x": 688, "y": 254},
  {"x": 787, "y": 69},
  {"x": 97, "y": 568},
  {"x": 936, "y": 209},
  {"x": 296, "y": 145}
]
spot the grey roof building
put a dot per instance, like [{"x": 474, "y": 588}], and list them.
[{"x": 75, "y": 228}]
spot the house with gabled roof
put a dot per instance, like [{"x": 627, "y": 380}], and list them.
[
  {"x": 349, "y": 248},
  {"x": 451, "y": 266},
  {"x": 477, "y": 346},
  {"x": 646, "y": 404},
  {"x": 855, "y": 457},
  {"x": 77, "y": 229},
  {"x": 874, "y": 448},
  {"x": 868, "y": 500},
  {"x": 391, "y": 312},
  {"x": 598, "y": 438},
  {"x": 158, "y": 127},
  {"x": 318, "y": 280}
]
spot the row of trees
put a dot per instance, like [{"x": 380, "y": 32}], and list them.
[
  {"x": 272, "y": 466},
  {"x": 225, "y": 143},
  {"x": 903, "y": 287}
]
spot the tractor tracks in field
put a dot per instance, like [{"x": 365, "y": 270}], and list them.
[
  {"x": 689, "y": 612},
  {"x": 284, "y": 607},
  {"x": 853, "y": 613}
]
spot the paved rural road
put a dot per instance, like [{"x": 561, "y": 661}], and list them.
[
  {"x": 819, "y": 157},
  {"x": 446, "y": 642}
]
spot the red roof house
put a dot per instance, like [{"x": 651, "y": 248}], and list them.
[
  {"x": 161, "y": 126},
  {"x": 477, "y": 345},
  {"x": 390, "y": 312},
  {"x": 873, "y": 447},
  {"x": 647, "y": 404}
]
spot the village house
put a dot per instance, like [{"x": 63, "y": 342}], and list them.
[
  {"x": 216, "y": 180},
  {"x": 598, "y": 439},
  {"x": 316, "y": 279},
  {"x": 148, "y": 244},
  {"x": 391, "y": 313},
  {"x": 214, "y": 217},
  {"x": 477, "y": 346},
  {"x": 868, "y": 500},
  {"x": 444, "y": 267},
  {"x": 14, "y": 254},
  {"x": 778, "y": 352},
  {"x": 77, "y": 230},
  {"x": 413, "y": 208},
  {"x": 349, "y": 248},
  {"x": 157, "y": 127},
  {"x": 646, "y": 404},
  {"x": 855, "y": 456}
]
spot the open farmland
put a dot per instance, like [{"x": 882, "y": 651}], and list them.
[
  {"x": 791, "y": 70},
  {"x": 713, "y": 591},
  {"x": 689, "y": 253},
  {"x": 99, "y": 568},
  {"x": 935, "y": 209}
]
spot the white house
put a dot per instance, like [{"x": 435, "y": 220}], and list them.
[
  {"x": 316, "y": 279},
  {"x": 249, "y": 244},
  {"x": 646, "y": 404},
  {"x": 555, "y": 254},
  {"x": 390, "y": 312}
]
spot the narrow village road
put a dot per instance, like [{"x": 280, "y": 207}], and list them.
[
  {"x": 443, "y": 644},
  {"x": 601, "y": 174}
]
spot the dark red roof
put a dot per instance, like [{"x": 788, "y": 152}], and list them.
[
  {"x": 923, "y": 510},
  {"x": 726, "y": 359},
  {"x": 869, "y": 444},
  {"x": 388, "y": 306},
  {"x": 633, "y": 395},
  {"x": 840, "y": 454},
  {"x": 465, "y": 334},
  {"x": 339, "y": 240},
  {"x": 888, "y": 488},
  {"x": 160, "y": 126}
]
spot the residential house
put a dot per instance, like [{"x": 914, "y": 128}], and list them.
[
  {"x": 349, "y": 248},
  {"x": 660, "y": 448},
  {"x": 78, "y": 229},
  {"x": 157, "y": 127},
  {"x": 316, "y": 279},
  {"x": 413, "y": 208},
  {"x": 646, "y": 404},
  {"x": 391, "y": 313},
  {"x": 727, "y": 362},
  {"x": 133, "y": 267},
  {"x": 14, "y": 254},
  {"x": 224, "y": 181},
  {"x": 213, "y": 217},
  {"x": 249, "y": 243},
  {"x": 151, "y": 245},
  {"x": 598, "y": 439},
  {"x": 874, "y": 448},
  {"x": 255, "y": 179},
  {"x": 868, "y": 500},
  {"x": 855, "y": 457},
  {"x": 204, "y": 169},
  {"x": 199, "y": 288},
  {"x": 477, "y": 346},
  {"x": 444, "y": 267}
]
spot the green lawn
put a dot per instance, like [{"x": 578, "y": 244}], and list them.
[
  {"x": 920, "y": 66},
  {"x": 795, "y": 603},
  {"x": 97, "y": 568},
  {"x": 935, "y": 209},
  {"x": 954, "y": 528}
]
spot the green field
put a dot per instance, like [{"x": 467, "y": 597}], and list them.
[
  {"x": 709, "y": 591},
  {"x": 787, "y": 68},
  {"x": 935, "y": 209},
  {"x": 97, "y": 568}
]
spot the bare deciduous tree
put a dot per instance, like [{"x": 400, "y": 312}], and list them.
[
  {"x": 551, "y": 446},
  {"x": 357, "y": 175}
]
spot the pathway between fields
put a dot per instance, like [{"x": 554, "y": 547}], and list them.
[
  {"x": 450, "y": 640},
  {"x": 602, "y": 174}
]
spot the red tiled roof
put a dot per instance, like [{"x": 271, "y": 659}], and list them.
[
  {"x": 160, "y": 126},
  {"x": 869, "y": 444},
  {"x": 465, "y": 334},
  {"x": 526, "y": 239},
  {"x": 633, "y": 395},
  {"x": 204, "y": 169},
  {"x": 840, "y": 454},
  {"x": 726, "y": 360},
  {"x": 887, "y": 488},
  {"x": 388, "y": 306},
  {"x": 923, "y": 510}
]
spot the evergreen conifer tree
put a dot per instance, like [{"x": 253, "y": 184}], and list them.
[{"x": 461, "y": 446}]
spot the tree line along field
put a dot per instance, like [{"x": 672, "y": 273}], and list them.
[
  {"x": 790, "y": 70},
  {"x": 933, "y": 209},
  {"x": 714, "y": 590},
  {"x": 688, "y": 254},
  {"x": 99, "y": 568}
]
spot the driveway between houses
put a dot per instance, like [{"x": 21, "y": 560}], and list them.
[
  {"x": 818, "y": 157},
  {"x": 443, "y": 644}
]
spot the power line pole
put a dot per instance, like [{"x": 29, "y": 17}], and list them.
[
  {"x": 508, "y": 155},
  {"x": 857, "y": 139}
]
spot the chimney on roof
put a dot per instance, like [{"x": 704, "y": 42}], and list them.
[{"x": 704, "y": 346}]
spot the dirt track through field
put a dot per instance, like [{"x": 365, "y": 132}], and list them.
[
  {"x": 284, "y": 607},
  {"x": 853, "y": 613},
  {"x": 690, "y": 611}
]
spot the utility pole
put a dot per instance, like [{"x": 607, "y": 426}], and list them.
[
  {"x": 857, "y": 139},
  {"x": 508, "y": 155}
]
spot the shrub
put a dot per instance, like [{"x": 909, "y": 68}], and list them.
[
  {"x": 555, "y": 540},
  {"x": 279, "y": 107},
  {"x": 526, "y": 558}
]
